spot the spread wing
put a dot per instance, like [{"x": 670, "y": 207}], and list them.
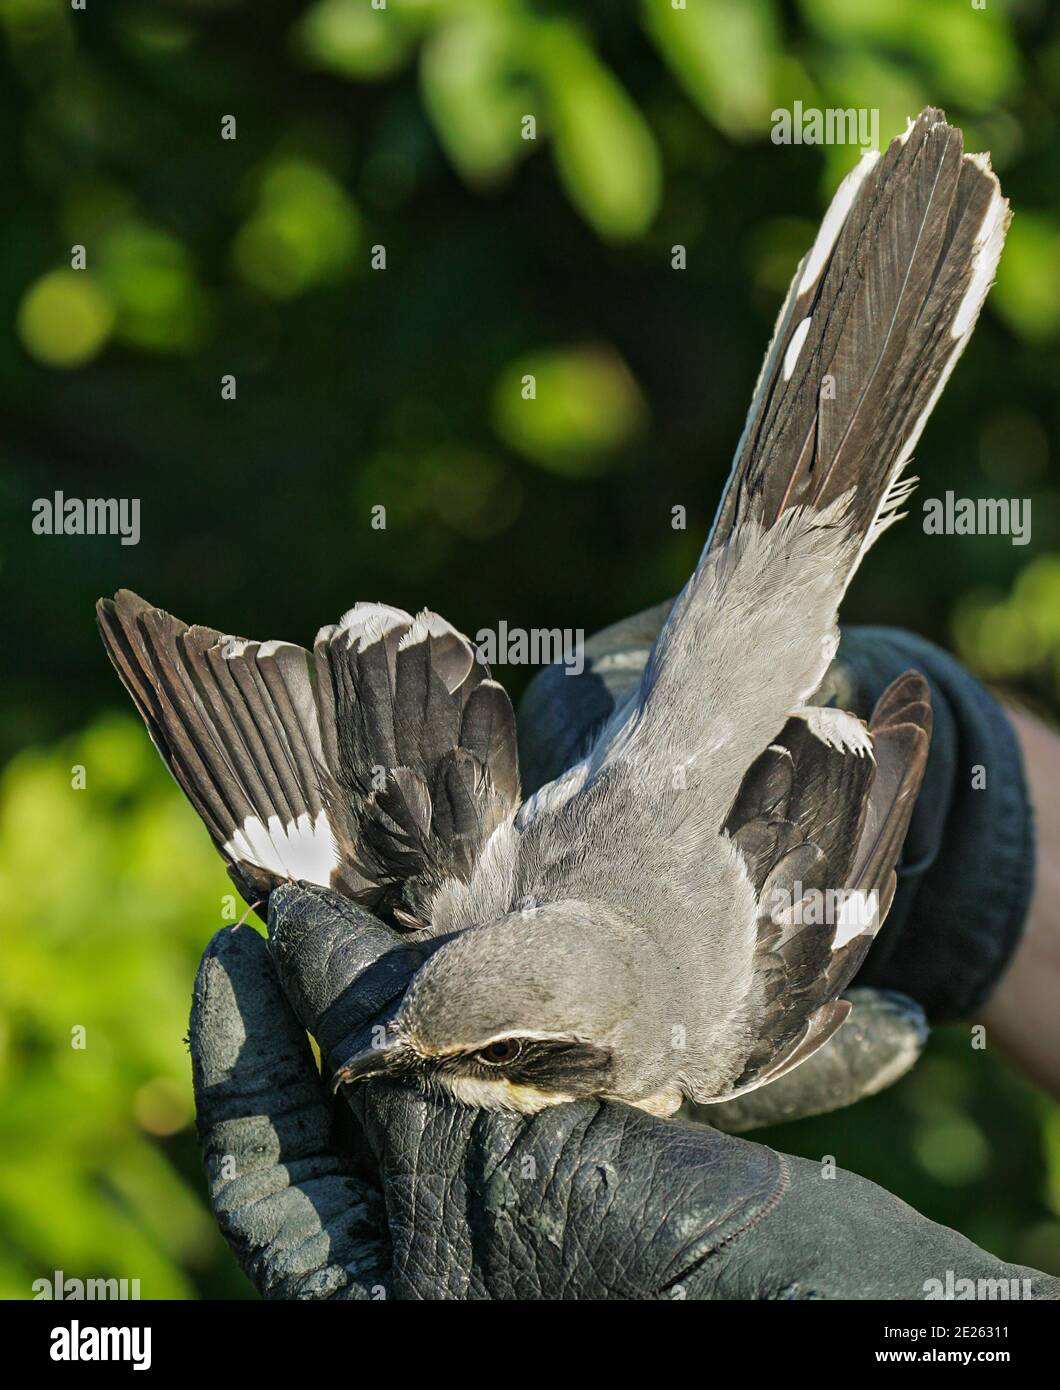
[{"x": 377, "y": 765}]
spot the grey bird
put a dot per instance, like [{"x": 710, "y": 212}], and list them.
[{"x": 645, "y": 926}]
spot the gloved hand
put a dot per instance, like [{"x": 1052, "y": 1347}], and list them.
[{"x": 392, "y": 1193}]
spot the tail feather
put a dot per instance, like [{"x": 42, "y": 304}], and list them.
[{"x": 878, "y": 313}]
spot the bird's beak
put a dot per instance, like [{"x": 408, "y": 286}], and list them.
[{"x": 372, "y": 1061}]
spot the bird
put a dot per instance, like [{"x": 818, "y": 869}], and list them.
[{"x": 637, "y": 928}]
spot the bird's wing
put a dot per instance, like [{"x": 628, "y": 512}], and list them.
[
  {"x": 426, "y": 740},
  {"x": 237, "y": 724},
  {"x": 376, "y": 765},
  {"x": 820, "y": 831}
]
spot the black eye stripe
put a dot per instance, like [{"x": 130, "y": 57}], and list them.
[{"x": 576, "y": 1068}]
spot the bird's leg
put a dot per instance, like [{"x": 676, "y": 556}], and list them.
[
  {"x": 252, "y": 908},
  {"x": 836, "y": 728}
]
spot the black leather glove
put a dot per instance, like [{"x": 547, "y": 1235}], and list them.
[{"x": 392, "y": 1193}]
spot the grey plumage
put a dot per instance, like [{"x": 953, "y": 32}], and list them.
[{"x": 642, "y": 925}]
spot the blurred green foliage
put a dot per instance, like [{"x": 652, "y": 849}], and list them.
[
  {"x": 106, "y": 893},
  {"x": 529, "y": 169}
]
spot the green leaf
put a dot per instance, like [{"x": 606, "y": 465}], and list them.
[
  {"x": 152, "y": 280},
  {"x": 966, "y": 54},
  {"x": 352, "y": 38},
  {"x": 605, "y": 153},
  {"x": 568, "y": 410},
  {"x": 305, "y": 230},
  {"x": 1027, "y": 292},
  {"x": 723, "y": 52},
  {"x": 474, "y": 93},
  {"x": 65, "y": 318}
]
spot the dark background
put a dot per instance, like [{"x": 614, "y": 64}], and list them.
[{"x": 358, "y": 387}]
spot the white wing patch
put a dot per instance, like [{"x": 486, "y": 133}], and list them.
[
  {"x": 859, "y": 913},
  {"x": 837, "y": 729},
  {"x": 303, "y": 849}
]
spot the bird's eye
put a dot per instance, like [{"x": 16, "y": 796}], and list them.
[{"x": 497, "y": 1053}]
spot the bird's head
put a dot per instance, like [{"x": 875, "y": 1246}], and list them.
[{"x": 518, "y": 1014}]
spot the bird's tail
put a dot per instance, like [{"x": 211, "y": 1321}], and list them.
[{"x": 877, "y": 315}]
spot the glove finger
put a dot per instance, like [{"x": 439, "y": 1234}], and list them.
[
  {"x": 340, "y": 967},
  {"x": 835, "y": 1235},
  {"x": 301, "y": 1221}
]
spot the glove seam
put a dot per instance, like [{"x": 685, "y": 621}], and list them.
[{"x": 766, "y": 1209}]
